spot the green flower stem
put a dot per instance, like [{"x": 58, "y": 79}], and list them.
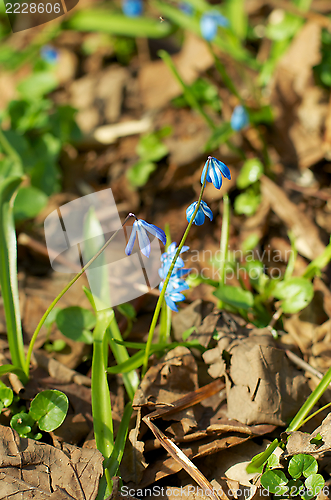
[
  {"x": 315, "y": 413},
  {"x": 65, "y": 289},
  {"x": 163, "y": 291},
  {"x": 186, "y": 89},
  {"x": 311, "y": 401}
]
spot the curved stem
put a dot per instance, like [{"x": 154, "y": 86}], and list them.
[
  {"x": 164, "y": 288},
  {"x": 66, "y": 288}
]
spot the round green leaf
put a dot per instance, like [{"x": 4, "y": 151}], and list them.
[
  {"x": 49, "y": 409},
  {"x": 22, "y": 423},
  {"x": 302, "y": 465},
  {"x": 235, "y": 296},
  {"x": 75, "y": 323},
  {"x": 296, "y": 294},
  {"x": 139, "y": 174},
  {"x": 251, "y": 172},
  {"x": 6, "y": 395},
  {"x": 314, "y": 485},
  {"x": 247, "y": 203},
  {"x": 274, "y": 481},
  {"x": 29, "y": 202}
]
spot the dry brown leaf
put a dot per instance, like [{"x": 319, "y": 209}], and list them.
[
  {"x": 175, "y": 375},
  {"x": 44, "y": 472},
  {"x": 262, "y": 386},
  {"x": 300, "y": 442},
  {"x": 299, "y": 103},
  {"x": 306, "y": 233}
]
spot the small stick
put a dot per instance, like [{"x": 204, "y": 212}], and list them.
[{"x": 190, "y": 399}]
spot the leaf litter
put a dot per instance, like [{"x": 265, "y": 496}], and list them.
[{"x": 262, "y": 388}]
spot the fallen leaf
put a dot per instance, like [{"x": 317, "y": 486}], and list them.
[
  {"x": 47, "y": 472},
  {"x": 306, "y": 233},
  {"x": 261, "y": 384}
]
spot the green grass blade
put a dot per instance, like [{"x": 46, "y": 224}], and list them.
[
  {"x": 113, "y": 463},
  {"x": 8, "y": 270},
  {"x": 105, "y": 21},
  {"x": 101, "y": 406},
  {"x": 130, "y": 379}
]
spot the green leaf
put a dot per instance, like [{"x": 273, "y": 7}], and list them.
[
  {"x": 127, "y": 310},
  {"x": 6, "y": 395},
  {"x": 250, "y": 172},
  {"x": 302, "y": 465},
  {"x": 139, "y": 174},
  {"x": 236, "y": 13},
  {"x": 274, "y": 481},
  {"x": 106, "y": 21},
  {"x": 273, "y": 461},
  {"x": 26, "y": 115},
  {"x": 8, "y": 271},
  {"x": 37, "y": 85},
  {"x": 49, "y": 409},
  {"x": 75, "y": 323},
  {"x": 314, "y": 485},
  {"x": 114, "y": 461},
  {"x": 296, "y": 294},
  {"x": 235, "y": 296},
  {"x": 247, "y": 203},
  {"x": 29, "y": 202},
  {"x": 257, "y": 462},
  {"x": 51, "y": 317},
  {"x": 151, "y": 148},
  {"x": 22, "y": 423}
]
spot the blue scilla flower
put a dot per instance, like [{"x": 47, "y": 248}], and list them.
[
  {"x": 132, "y": 8},
  {"x": 209, "y": 23},
  {"x": 216, "y": 169},
  {"x": 49, "y": 54},
  {"x": 167, "y": 258},
  {"x": 239, "y": 118},
  {"x": 201, "y": 214},
  {"x": 186, "y": 8},
  {"x": 141, "y": 228},
  {"x": 173, "y": 292}
]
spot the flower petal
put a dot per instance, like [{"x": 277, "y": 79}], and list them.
[
  {"x": 199, "y": 218},
  {"x": 206, "y": 210},
  {"x": 216, "y": 176},
  {"x": 190, "y": 211},
  {"x": 170, "y": 303},
  {"x": 223, "y": 168},
  {"x": 155, "y": 231},
  {"x": 129, "y": 246},
  {"x": 144, "y": 243}
]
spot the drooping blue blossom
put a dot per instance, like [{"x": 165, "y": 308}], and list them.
[
  {"x": 201, "y": 213},
  {"x": 209, "y": 23},
  {"x": 49, "y": 54},
  {"x": 167, "y": 258},
  {"x": 173, "y": 292},
  {"x": 132, "y": 8},
  {"x": 176, "y": 284},
  {"x": 216, "y": 169},
  {"x": 141, "y": 228},
  {"x": 239, "y": 118},
  {"x": 186, "y": 8}
]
